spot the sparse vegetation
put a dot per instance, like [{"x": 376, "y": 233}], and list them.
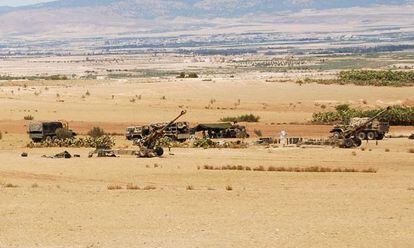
[
  {"x": 189, "y": 75},
  {"x": 377, "y": 77},
  {"x": 229, "y": 188},
  {"x": 241, "y": 118},
  {"x": 114, "y": 187},
  {"x": 96, "y": 132},
  {"x": 1, "y": 135},
  {"x": 28, "y": 118},
  {"x": 190, "y": 187},
  {"x": 10, "y": 185},
  {"x": 411, "y": 150},
  {"x": 371, "y": 77},
  {"x": 51, "y": 77},
  {"x": 150, "y": 187},
  {"x": 131, "y": 186}
]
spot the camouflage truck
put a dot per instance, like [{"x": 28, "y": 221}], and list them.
[
  {"x": 375, "y": 130},
  {"x": 221, "y": 130},
  {"x": 40, "y": 131},
  {"x": 179, "y": 131}
]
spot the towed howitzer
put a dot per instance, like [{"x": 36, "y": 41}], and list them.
[
  {"x": 148, "y": 146},
  {"x": 349, "y": 138}
]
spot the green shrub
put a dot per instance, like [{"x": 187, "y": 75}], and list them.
[
  {"x": 241, "y": 118},
  {"x": 377, "y": 78},
  {"x": 96, "y": 132}
]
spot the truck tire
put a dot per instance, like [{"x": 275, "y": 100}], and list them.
[
  {"x": 362, "y": 136},
  {"x": 380, "y": 136},
  {"x": 371, "y": 135}
]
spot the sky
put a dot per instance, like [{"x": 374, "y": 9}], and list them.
[{"x": 20, "y": 2}]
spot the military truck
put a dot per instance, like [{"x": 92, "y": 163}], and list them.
[
  {"x": 40, "y": 131},
  {"x": 375, "y": 130},
  {"x": 350, "y": 137},
  {"x": 179, "y": 131}
]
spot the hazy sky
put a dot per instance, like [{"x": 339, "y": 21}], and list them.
[{"x": 20, "y": 2}]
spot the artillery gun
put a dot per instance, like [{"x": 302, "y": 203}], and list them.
[
  {"x": 350, "y": 138},
  {"x": 148, "y": 145}
]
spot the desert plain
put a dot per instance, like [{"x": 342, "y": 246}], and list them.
[{"x": 173, "y": 201}]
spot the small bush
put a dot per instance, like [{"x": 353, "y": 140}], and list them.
[
  {"x": 1, "y": 135},
  {"x": 114, "y": 187},
  {"x": 10, "y": 185},
  {"x": 131, "y": 186},
  {"x": 241, "y": 118},
  {"x": 411, "y": 150},
  {"x": 150, "y": 187},
  {"x": 190, "y": 187},
  {"x": 182, "y": 75},
  {"x": 96, "y": 132},
  {"x": 229, "y": 188},
  {"x": 28, "y": 118},
  {"x": 387, "y": 150},
  {"x": 192, "y": 75}
]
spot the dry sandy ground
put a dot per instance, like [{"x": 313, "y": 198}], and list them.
[{"x": 66, "y": 203}]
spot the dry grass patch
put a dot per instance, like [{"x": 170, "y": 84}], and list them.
[
  {"x": 292, "y": 169},
  {"x": 229, "y": 188},
  {"x": 114, "y": 187},
  {"x": 35, "y": 185},
  {"x": 131, "y": 186},
  {"x": 190, "y": 187},
  {"x": 150, "y": 187},
  {"x": 10, "y": 185},
  {"x": 411, "y": 150}
]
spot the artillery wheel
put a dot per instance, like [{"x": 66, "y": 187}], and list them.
[
  {"x": 371, "y": 135},
  {"x": 348, "y": 143},
  {"x": 357, "y": 142},
  {"x": 159, "y": 151},
  {"x": 362, "y": 136}
]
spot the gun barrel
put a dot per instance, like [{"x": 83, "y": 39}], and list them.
[{"x": 157, "y": 134}]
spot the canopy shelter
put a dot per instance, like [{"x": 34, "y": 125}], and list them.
[{"x": 216, "y": 127}]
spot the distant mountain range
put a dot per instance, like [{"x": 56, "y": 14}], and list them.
[
  {"x": 200, "y": 8},
  {"x": 81, "y": 18}
]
